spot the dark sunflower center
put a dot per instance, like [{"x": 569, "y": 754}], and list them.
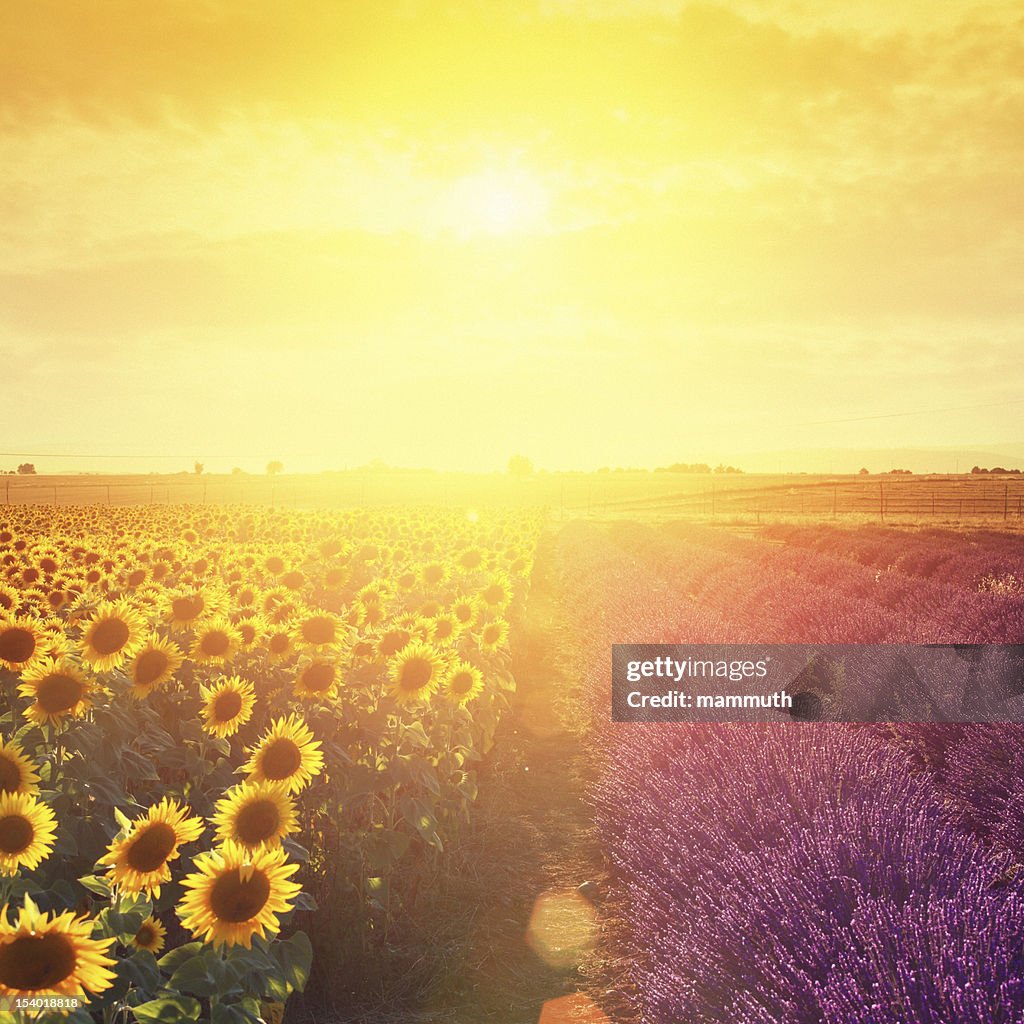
[
  {"x": 392, "y": 643},
  {"x": 186, "y": 608},
  {"x": 34, "y": 963},
  {"x": 227, "y": 705},
  {"x": 443, "y": 629},
  {"x": 493, "y": 594},
  {"x": 10, "y": 774},
  {"x": 416, "y": 673},
  {"x": 16, "y": 833},
  {"x": 433, "y": 574},
  {"x": 491, "y": 634},
  {"x": 462, "y": 682},
  {"x": 136, "y": 577},
  {"x": 463, "y": 613},
  {"x": 318, "y": 678},
  {"x": 234, "y": 899},
  {"x": 319, "y": 630},
  {"x": 153, "y": 846},
  {"x": 279, "y": 643},
  {"x": 282, "y": 759},
  {"x": 17, "y": 644},
  {"x": 257, "y": 822},
  {"x": 58, "y": 692},
  {"x": 146, "y": 936},
  {"x": 215, "y": 644},
  {"x": 150, "y": 666},
  {"x": 248, "y": 632},
  {"x": 110, "y": 636}
]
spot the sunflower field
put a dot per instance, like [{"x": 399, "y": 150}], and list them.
[{"x": 225, "y": 735}]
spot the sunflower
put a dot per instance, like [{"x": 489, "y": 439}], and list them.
[
  {"x": 21, "y": 642},
  {"x": 40, "y": 953},
  {"x": 216, "y": 642},
  {"x": 236, "y": 893},
  {"x": 139, "y": 859},
  {"x": 493, "y": 635},
  {"x": 26, "y": 832},
  {"x": 287, "y": 753},
  {"x": 318, "y": 680},
  {"x": 59, "y": 688},
  {"x": 9, "y": 598},
  {"x": 251, "y": 631},
  {"x": 392, "y": 641},
  {"x": 470, "y": 559},
  {"x": 153, "y": 666},
  {"x": 280, "y": 644},
  {"x": 16, "y": 772},
  {"x": 434, "y": 574},
  {"x": 498, "y": 592},
  {"x": 150, "y": 936},
  {"x": 445, "y": 629},
  {"x": 463, "y": 682},
  {"x": 415, "y": 672},
  {"x": 466, "y": 610},
  {"x": 115, "y": 632},
  {"x": 255, "y": 814},
  {"x": 183, "y": 609},
  {"x": 319, "y": 629},
  {"x": 227, "y": 705}
]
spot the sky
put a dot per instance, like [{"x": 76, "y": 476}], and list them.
[{"x": 614, "y": 232}]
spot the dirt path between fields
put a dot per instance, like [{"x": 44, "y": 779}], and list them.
[{"x": 536, "y": 946}]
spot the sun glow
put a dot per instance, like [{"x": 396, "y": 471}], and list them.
[{"x": 498, "y": 202}]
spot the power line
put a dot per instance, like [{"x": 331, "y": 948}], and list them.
[
  {"x": 82, "y": 455},
  {"x": 917, "y": 412}
]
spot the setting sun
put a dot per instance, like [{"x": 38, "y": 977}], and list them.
[{"x": 496, "y": 202}]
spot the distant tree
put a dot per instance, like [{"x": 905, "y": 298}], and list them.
[
  {"x": 727, "y": 469},
  {"x": 863, "y": 471},
  {"x": 901, "y": 472},
  {"x": 237, "y": 471},
  {"x": 978, "y": 469},
  {"x": 998, "y": 469},
  {"x": 685, "y": 467},
  {"x": 27, "y": 469},
  {"x": 274, "y": 467},
  {"x": 520, "y": 465},
  {"x": 198, "y": 468}
]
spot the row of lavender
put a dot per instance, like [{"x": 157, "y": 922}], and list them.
[
  {"x": 977, "y": 559},
  {"x": 806, "y": 873}
]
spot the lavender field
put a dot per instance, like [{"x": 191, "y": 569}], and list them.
[{"x": 807, "y": 873}]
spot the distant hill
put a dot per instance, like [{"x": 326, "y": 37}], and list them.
[{"x": 881, "y": 460}]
